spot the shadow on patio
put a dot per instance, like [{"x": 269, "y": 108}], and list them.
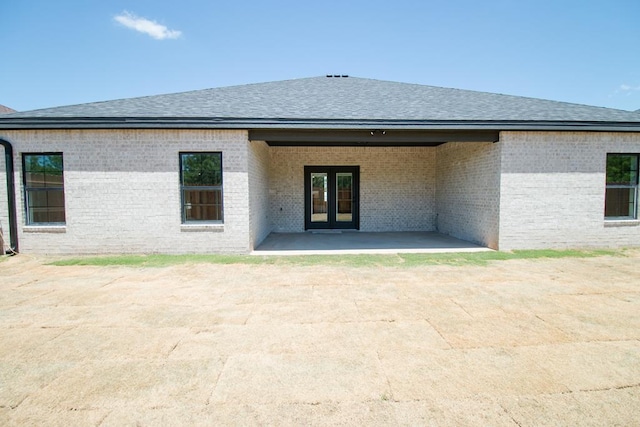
[{"x": 355, "y": 242}]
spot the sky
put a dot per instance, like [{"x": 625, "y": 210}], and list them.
[{"x": 63, "y": 52}]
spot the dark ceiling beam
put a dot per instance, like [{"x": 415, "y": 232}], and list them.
[{"x": 373, "y": 137}]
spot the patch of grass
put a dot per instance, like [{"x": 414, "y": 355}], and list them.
[
  {"x": 483, "y": 258},
  {"x": 359, "y": 260},
  {"x": 157, "y": 260},
  {"x": 355, "y": 260},
  {"x": 454, "y": 258},
  {"x": 572, "y": 253},
  {"x": 160, "y": 260}
]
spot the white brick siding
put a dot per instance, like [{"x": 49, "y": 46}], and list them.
[
  {"x": 467, "y": 194},
  {"x": 4, "y": 203},
  {"x": 397, "y": 185},
  {"x": 553, "y": 187},
  {"x": 122, "y": 191},
  {"x": 258, "y": 192}
]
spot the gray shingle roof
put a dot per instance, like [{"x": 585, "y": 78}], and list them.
[{"x": 331, "y": 102}]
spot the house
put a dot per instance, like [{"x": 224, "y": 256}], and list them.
[{"x": 217, "y": 170}]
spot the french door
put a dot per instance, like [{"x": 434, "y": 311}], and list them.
[{"x": 331, "y": 197}]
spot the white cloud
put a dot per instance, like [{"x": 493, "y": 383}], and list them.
[
  {"x": 629, "y": 88},
  {"x": 143, "y": 25}
]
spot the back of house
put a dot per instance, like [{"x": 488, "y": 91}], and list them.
[{"x": 217, "y": 170}]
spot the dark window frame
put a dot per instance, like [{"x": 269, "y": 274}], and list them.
[
  {"x": 213, "y": 188},
  {"x": 30, "y": 189},
  {"x": 634, "y": 186}
]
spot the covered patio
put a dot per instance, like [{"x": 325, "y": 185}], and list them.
[
  {"x": 332, "y": 242},
  {"x": 390, "y": 197}
]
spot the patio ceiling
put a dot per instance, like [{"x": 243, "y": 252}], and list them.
[{"x": 371, "y": 138}]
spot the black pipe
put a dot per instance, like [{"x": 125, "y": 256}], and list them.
[{"x": 11, "y": 195}]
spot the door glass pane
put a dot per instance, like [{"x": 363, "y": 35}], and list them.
[
  {"x": 344, "y": 197},
  {"x": 319, "y": 195}
]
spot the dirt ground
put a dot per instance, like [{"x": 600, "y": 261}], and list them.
[{"x": 516, "y": 343}]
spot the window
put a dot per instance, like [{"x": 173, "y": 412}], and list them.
[
  {"x": 44, "y": 188},
  {"x": 621, "y": 200},
  {"x": 201, "y": 185}
]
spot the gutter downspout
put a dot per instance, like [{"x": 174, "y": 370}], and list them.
[{"x": 11, "y": 195}]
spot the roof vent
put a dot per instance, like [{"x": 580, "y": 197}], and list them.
[{"x": 337, "y": 76}]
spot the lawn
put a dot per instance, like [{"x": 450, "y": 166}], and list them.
[{"x": 360, "y": 260}]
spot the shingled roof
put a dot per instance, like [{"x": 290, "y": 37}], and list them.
[{"x": 328, "y": 102}]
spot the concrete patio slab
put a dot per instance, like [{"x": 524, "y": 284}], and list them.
[{"x": 357, "y": 242}]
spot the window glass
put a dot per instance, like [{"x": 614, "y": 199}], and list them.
[
  {"x": 53, "y": 174},
  {"x": 44, "y": 188},
  {"x": 622, "y": 169},
  {"x": 620, "y": 202},
  {"x": 55, "y": 199},
  {"x": 201, "y": 179},
  {"x": 203, "y": 205},
  {"x": 202, "y": 169},
  {"x": 621, "y": 198},
  {"x": 34, "y": 170}
]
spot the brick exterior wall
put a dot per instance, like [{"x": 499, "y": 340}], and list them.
[
  {"x": 397, "y": 185},
  {"x": 122, "y": 191},
  {"x": 553, "y": 187},
  {"x": 467, "y": 191},
  {"x": 4, "y": 204},
  {"x": 260, "y": 225}
]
